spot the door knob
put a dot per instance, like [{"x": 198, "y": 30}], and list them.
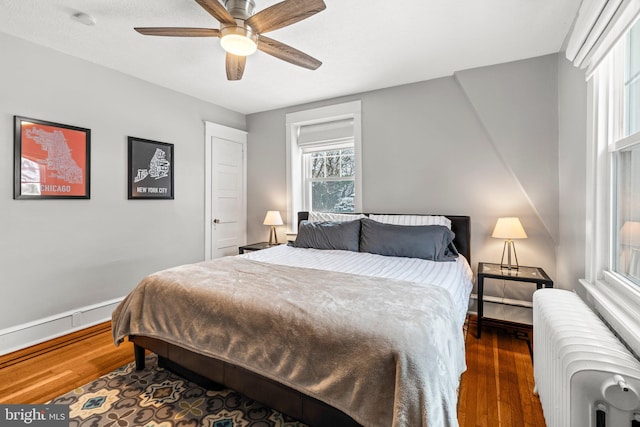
[{"x": 216, "y": 221}]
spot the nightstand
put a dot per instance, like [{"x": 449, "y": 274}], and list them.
[
  {"x": 255, "y": 247},
  {"x": 523, "y": 274}
]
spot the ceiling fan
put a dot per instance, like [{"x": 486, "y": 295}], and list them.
[{"x": 241, "y": 32}]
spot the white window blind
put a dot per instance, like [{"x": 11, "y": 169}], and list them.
[{"x": 322, "y": 133}]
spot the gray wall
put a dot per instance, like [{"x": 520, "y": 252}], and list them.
[
  {"x": 58, "y": 255},
  {"x": 572, "y": 163},
  {"x": 488, "y": 142},
  {"x": 482, "y": 143}
]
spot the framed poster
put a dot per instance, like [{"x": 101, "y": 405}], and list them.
[
  {"x": 150, "y": 169},
  {"x": 51, "y": 160}
]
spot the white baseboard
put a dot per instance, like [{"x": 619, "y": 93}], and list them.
[{"x": 41, "y": 330}]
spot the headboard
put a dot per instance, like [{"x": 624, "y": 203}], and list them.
[{"x": 460, "y": 225}]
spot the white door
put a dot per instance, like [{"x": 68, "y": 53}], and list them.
[{"x": 225, "y": 197}]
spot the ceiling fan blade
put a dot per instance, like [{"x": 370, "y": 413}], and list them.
[
  {"x": 178, "y": 31},
  {"x": 217, "y": 10},
  {"x": 284, "y": 13},
  {"x": 235, "y": 66},
  {"x": 287, "y": 53}
]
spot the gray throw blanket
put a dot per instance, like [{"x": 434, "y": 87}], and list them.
[{"x": 386, "y": 352}]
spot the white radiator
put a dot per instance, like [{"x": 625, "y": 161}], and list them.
[{"x": 584, "y": 375}]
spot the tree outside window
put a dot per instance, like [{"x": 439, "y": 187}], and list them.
[{"x": 330, "y": 177}]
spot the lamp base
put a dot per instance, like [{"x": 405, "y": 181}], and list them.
[
  {"x": 508, "y": 244},
  {"x": 273, "y": 238}
]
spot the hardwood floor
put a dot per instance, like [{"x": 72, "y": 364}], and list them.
[
  {"x": 60, "y": 365},
  {"x": 496, "y": 390}
]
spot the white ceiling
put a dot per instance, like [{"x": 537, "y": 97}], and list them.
[{"x": 364, "y": 44}]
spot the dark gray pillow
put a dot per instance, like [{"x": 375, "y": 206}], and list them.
[
  {"x": 432, "y": 242},
  {"x": 329, "y": 235}
]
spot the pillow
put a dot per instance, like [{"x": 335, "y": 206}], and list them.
[
  {"x": 329, "y": 235},
  {"x": 412, "y": 219},
  {"x": 432, "y": 242},
  {"x": 334, "y": 217}
]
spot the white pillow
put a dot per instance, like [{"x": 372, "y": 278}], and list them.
[
  {"x": 335, "y": 217},
  {"x": 412, "y": 220}
]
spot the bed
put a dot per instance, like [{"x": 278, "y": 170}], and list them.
[{"x": 328, "y": 336}]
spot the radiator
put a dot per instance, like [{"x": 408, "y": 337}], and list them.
[{"x": 584, "y": 375}]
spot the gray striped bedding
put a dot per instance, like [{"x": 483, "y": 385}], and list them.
[{"x": 456, "y": 277}]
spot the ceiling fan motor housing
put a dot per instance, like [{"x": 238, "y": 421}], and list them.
[{"x": 240, "y": 9}]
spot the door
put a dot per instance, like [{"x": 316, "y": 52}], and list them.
[{"x": 225, "y": 195}]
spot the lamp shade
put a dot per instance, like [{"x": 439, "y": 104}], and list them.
[
  {"x": 630, "y": 233},
  {"x": 273, "y": 218},
  {"x": 509, "y": 228}
]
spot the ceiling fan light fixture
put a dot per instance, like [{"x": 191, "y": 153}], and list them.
[{"x": 238, "y": 41}]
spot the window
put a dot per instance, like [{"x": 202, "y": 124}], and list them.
[
  {"x": 627, "y": 209},
  {"x": 324, "y": 160},
  {"x": 609, "y": 50},
  {"x": 632, "y": 81},
  {"x": 329, "y": 179},
  {"x": 625, "y": 158}
]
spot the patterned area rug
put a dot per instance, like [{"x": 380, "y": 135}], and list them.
[{"x": 155, "y": 397}]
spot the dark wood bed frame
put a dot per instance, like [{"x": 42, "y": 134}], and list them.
[{"x": 208, "y": 371}]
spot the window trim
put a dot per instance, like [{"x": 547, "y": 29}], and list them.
[
  {"x": 294, "y": 168},
  {"x": 615, "y": 297}
]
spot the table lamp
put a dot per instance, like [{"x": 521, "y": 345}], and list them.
[
  {"x": 273, "y": 218},
  {"x": 509, "y": 228}
]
